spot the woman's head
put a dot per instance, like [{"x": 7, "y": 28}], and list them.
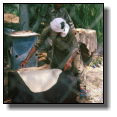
[{"x": 59, "y": 25}]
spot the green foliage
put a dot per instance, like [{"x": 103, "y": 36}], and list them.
[
  {"x": 11, "y": 9},
  {"x": 83, "y": 15},
  {"x": 35, "y": 12},
  {"x": 87, "y": 16}
]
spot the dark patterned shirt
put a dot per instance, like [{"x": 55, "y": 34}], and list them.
[
  {"x": 68, "y": 42},
  {"x": 62, "y": 47}
]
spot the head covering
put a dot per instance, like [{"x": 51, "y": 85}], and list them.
[{"x": 56, "y": 25}]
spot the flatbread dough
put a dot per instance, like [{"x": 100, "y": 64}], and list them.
[{"x": 40, "y": 80}]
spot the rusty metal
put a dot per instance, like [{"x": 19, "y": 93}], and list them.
[{"x": 89, "y": 38}]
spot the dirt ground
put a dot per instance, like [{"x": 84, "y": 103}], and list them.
[{"x": 94, "y": 76}]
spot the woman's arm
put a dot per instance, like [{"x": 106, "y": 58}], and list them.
[
  {"x": 31, "y": 53},
  {"x": 68, "y": 64}
]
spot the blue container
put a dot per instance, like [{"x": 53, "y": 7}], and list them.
[{"x": 19, "y": 45}]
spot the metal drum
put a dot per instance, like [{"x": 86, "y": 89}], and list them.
[{"x": 18, "y": 46}]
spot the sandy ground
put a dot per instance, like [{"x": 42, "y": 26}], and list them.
[{"x": 94, "y": 84}]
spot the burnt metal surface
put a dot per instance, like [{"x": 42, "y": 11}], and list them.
[
  {"x": 88, "y": 39},
  {"x": 25, "y": 33}
]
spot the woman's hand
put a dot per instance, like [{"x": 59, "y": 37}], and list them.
[
  {"x": 67, "y": 65},
  {"x": 74, "y": 31},
  {"x": 23, "y": 63}
]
